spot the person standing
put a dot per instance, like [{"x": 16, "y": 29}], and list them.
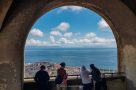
[
  {"x": 86, "y": 79},
  {"x": 96, "y": 76},
  {"x": 42, "y": 78},
  {"x": 61, "y": 78}
]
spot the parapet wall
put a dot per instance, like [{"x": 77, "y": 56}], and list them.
[{"x": 114, "y": 83}]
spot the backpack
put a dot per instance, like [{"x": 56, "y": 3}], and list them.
[{"x": 58, "y": 79}]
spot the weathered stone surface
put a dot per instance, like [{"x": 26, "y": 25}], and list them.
[
  {"x": 22, "y": 15},
  {"x": 130, "y": 60},
  {"x": 4, "y": 7}
]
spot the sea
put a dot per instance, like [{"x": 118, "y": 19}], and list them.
[{"x": 103, "y": 58}]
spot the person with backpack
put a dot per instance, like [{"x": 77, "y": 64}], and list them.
[
  {"x": 96, "y": 76},
  {"x": 61, "y": 77}
]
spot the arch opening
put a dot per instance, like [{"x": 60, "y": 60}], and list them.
[
  {"x": 22, "y": 18},
  {"x": 38, "y": 32}
]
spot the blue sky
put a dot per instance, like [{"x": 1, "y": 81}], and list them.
[{"x": 71, "y": 26}]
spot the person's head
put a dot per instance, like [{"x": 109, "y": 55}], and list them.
[
  {"x": 83, "y": 68},
  {"x": 63, "y": 64},
  {"x": 42, "y": 67},
  {"x": 92, "y": 66}
]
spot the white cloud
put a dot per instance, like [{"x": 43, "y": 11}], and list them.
[
  {"x": 68, "y": 34},
  {"x": 90, "y": 35},
  {"x": 33, "y": 42},
  {"x": 102, "y": 24},
  {"x": 55, "y": 33},
  {"x": 69, "y": 39},
  {"x": 65, "y": 41},
  {"x": 104, "y": 40},
  {"x": 93, "y": 38},
  {"x": 36, "y": 32},
  {"x": 63, "y": 26},
  {"x": 72, "y": 8},
  {"x": 89, "y": 39},
  {"x": 52, "y": 39}
]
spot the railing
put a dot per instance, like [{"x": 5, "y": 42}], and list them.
[
  {"x": 110, "y": 75},
  {"x": 55, "y": 76}
]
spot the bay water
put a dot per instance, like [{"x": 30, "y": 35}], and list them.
[{"x": 104, "y": 58}]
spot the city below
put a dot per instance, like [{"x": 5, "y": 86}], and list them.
[{"x": 32, "y": 68}]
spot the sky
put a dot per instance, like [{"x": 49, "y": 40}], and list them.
[{"x": 71, "y": 26}]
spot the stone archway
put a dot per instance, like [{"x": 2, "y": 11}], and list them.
[{"x": 22, "y": 15}]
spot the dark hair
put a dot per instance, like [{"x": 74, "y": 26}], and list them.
[
  {"x": 63, "y": 64},
  {"x": 92, "y": 66},
  {"x": 42, "y": 67}
]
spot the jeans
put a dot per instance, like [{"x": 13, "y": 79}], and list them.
[{"x": 88, "y": 86}]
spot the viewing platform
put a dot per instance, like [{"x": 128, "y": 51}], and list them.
[{"x": 114, "y": 81}]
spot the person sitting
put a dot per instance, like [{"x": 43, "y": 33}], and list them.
[
  {"x": 42, "y": 78},
  {"x": 86, "y": 79}
]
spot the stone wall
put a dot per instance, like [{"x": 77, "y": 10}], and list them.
[
  {"x": 17, "y": 18},
  {"x": 117, "y": 83}
]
